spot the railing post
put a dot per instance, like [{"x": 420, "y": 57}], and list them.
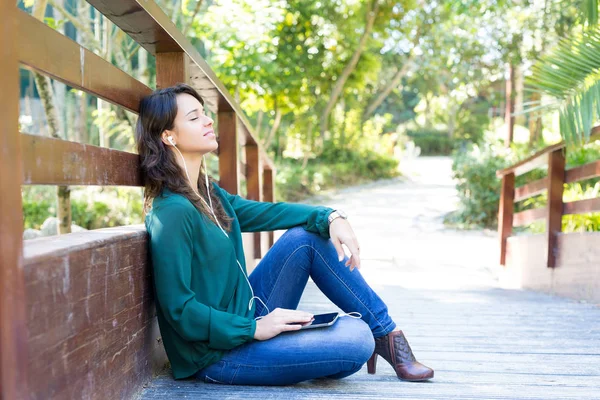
[
  {"x": 172, "y": 68},
  {"x": 506, "y": 213},
  {"x": 556, "y": 181},
  {"x": 228, "y": 152},
  {"x": 253, "y": 184},
  {"x": 13, "y": 314},
  {"x": 269, "y": 195}
]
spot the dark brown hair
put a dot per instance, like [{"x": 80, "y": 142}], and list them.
[{"x": 157, "y": 114}]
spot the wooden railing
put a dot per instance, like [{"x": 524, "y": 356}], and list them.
[
  {"x": 552, "y": 157},
  {"x": 35, "y": 160}
]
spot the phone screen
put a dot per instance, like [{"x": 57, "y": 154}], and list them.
[{"x": 321, "y": 320}]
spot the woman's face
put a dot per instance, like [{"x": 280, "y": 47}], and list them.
[{"x": 193, "y": 130}]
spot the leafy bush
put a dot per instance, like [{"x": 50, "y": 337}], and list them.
[
  {"x": 432, "y": 142},
  {"x": 477, "y": 185},
  {"x": 295, "y": 183},
  {"x": 36, "y": 212},
  {"x": 91, "y": 208},
  {"x": 479, "y": 188}
]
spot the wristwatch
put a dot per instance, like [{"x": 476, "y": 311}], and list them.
[{"x": 336, "y": 214}]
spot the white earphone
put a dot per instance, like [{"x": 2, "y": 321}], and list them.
[{"x": 210, "y": 206}]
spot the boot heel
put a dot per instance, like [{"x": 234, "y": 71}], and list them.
[{"x": 372, "y": 364}]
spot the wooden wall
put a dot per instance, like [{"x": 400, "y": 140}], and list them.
[
  {"x": 577, "y": 271},
  {"x": 92, "y": 324}
]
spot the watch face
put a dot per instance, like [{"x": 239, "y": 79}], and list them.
[{"x": 342, "y": 214}]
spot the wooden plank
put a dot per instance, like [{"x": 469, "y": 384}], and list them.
[
  {"x": 582, "y": 206},
  {"x": 587, "y": 171},
  {"x": 254, "y": 186},
  {"x": 531, "y": 189},
  {"x": 269, "y": 195},
  {"x": 49, "y": 161},
  {"x": 39, "y": 46},
  {"x": 528, "y": 216},
  {"x": 148, "y": 25},
  {"x": 171, "y": 69},
  {"x": 228, "y": 152},
  {"x": 13, "y": 330},
  {"x": 530, "y": 163},
  {"x": 556, "y": 181},
  {"x": 540, "y": 158},
  {"x": 505, "y": 213}
]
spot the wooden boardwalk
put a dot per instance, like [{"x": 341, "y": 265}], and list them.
[{"x": 484, "y": 342}]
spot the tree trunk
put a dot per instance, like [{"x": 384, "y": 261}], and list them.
[
  {"x": 44, "y": 86},
  {"x": 535, "y": 122},
  {"x": 343, "y": 130},
  {"x": 274, "y": 128},
  {"x": 81, "y": 126},
  {"x": 143, "y": 67},
  {"x": 350, "y": 66},
  {"x": 259, "y": 120},
  {"x": 388, "y": 89},
  {"x": 60, "y": 89},
  {"x": 308, "y": 149},
  {"x": 519, "y": 87},
  {"x": 508, "y": 115},
  {"x": 191, "y": 19}
]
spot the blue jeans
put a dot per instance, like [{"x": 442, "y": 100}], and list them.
[{"x": 333, "y": 352}]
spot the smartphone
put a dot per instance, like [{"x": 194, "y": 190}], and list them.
[{"x": 321, "y": 320}]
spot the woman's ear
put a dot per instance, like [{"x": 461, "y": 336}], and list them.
[{"x": 168, "y": 138}]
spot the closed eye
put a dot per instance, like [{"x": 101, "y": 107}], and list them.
[{"x": 193, "y": 119}]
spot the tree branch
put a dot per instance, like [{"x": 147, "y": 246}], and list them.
[
  {"x": 191, "y": 20},
  {"x": 349, "y": 68}
]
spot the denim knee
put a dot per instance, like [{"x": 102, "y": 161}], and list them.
[{"x": 356, "y": 338}]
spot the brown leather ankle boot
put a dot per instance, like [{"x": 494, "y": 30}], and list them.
[{"x": 394, "y": 348}]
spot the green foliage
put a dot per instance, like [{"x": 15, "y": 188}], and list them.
[
  {"x": 334, "y": 169},
  {"x": 477, "y": 185},
  {"x": 36, "y": 212},
  {"x": 571, "y": 74},
  {"x": 91, "y": 208},
  {"x": 479, "y": 188},
  {"x": 431, "y": 141}
]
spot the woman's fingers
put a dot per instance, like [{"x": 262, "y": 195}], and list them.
[
  {"x": 287, "y": 316},
  {"x": 289, "y": 327},
  {"x": 338, "y": 247},
  {"x": 290, "y": 319},
  {"x": 354, "y": 261}
]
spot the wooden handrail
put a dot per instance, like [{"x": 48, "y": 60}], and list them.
[
  {"x": 76, "y": 66},
  {"x": 540, "y": 158},
  {"x": 49, "y": 161},
  {"x": 553, "y": 184}
]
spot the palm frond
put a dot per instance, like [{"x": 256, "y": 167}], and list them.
[
  {"x": 571, "y": 74},
  {"x": 590, "y": 12}
]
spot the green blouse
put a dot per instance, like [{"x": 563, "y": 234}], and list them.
[{"x": 201, "y": 295}]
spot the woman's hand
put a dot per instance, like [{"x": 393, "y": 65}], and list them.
[
  {"x": 341, "y": 233},
  {"x": 280, "y": 320}
]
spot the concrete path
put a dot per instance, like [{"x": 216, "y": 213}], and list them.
[{"x": 484, "y": 342}]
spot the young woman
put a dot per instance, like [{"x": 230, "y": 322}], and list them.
[{"x": 217, "y": 323}]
